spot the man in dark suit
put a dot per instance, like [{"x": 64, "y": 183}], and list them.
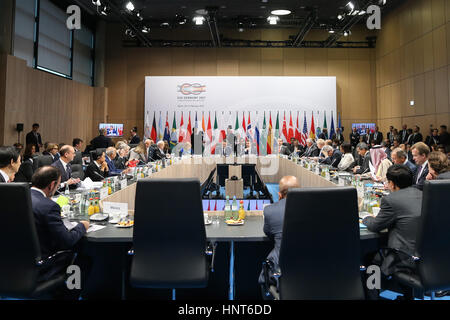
[
  {"x": 52, "y": 233},
  {"x": 324, "y": 134},
  {"x": 333, "y": 156},
  {"x": 101, "y": 141},
  {"x": 376, "y": 136},
  {"x": 363, "y": 151},
  {"x": 433, "y": 138},
  {"x": 420, "y": 152},
  {"x": 121, "y": 159},
  {"x": 399, "y": 156},
  {"x": 338, "y": 136},
  {"x": 10, "y": 162},
  {"x": 98, "y": 169},
  {"x": 400, "y": 214},
  {"x": 158, "y": 152},
  {"x": 311, "y": 149},
  {"x": 273, "y": 221},
  {"x": 444, "y": 137},
  {"x": 111, "y": 154},
  {"x": 63, "y": 164},
  {"x": 354, "y": 137},
  {"x": 34, "y": 137},
  {"x": 416, "y": 136},
  {"x": 403, "y": 134},
  {"x": 134, "y": 137}
]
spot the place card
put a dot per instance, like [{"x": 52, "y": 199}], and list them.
[
  {"x": 115, "y": 208},
  {"x": 103, "y": 193},
  {"x": 123, "y": 184}
]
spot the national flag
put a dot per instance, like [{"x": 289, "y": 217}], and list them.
[
  {"x": 297, "y": 130},
  {"x": 236, "y": 126},
  {"x": 153, "y": 134},
  {"x": 215, "y": 206},
  {"x": 209, "y": 205},
  {"x": 166, "y": 128},
  {"x": 332, "y": 126},
  {"x": 189, "y": 130},
  {"x": 263, "y": 140},
  {"x": 304, "y": 134},
  {"x": 160, "y": 128},
  {"x": 291, "y": 128},
  {"x": 216, "y": 132},
  {"x": 248, "y": 207},
  {"x": 325, "y": 123},
  {"x": 284, "y": 130},
  {"x": 203, "y": 122},
  {"x": 339, "y": 122},
  {"x": 277, "y": 129},
  {"x": 312, "y": 131},
  {"x": 181, "y": 135},
  {"x": 269, "y": 135},
  {"x": 209, "y": 132},
  {"x": 250, "y": 132},
  {"x": 196, "y": 122},
  {"x": 257, "y": 134},
  {"x": 244, "y": 127},
  {"x": 173, "y": 137}
]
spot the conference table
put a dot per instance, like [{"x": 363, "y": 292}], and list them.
[{"x": 270, "y": 168}]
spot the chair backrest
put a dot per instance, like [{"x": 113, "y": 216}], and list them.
[
  {"x": 433, "y": 236},
  {"x": 320, "y": 246},
  {"x": 19, "y": 244},
  {"x": 78, "y": 159},
  {"x": 169, "y": 236},
  {"x": 77, "y": 171},
  {"x": 43, "y": 160}
]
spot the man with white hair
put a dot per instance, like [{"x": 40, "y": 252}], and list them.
[
  {"x": 311, "y": 149},
  {"x": 320, "y": 144},
  {"x": 158, "y": 153},
  {"x": 111, "y": 154},
  {"x": 332, "y": 156},
  {"x": 121, "y": 159}
]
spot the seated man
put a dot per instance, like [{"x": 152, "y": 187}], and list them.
[
  {"x": 9, "y": 164},
  {"x": 63, "y": 164},
  {"x": 273, "y": 220},
  {"x": 111, "y": 155},
  {"x": 52, "y": 233},
  {"x": 333, "y": 157},
  {"x": 420, "y": 152},
  {"x": 121, "y": 159},
  {"x": 158, "y": 152},
  {"x": 399, "y": 156},
  {"x": 98, "y": 169},
  {"x": 311, "y": 149},
  {"x": 363, "y": 151},
  {"x": 400, "y": 214}
]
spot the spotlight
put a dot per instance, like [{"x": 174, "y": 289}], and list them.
[
  {"x": 130, "y": 33},
  {"x": 241, "y": 29},
  {"x": 331, "y": 30},
  {"x": 180, "y": 19},
  {"x": 130, "y": 6},
  {"x": 138, "y": 15},
  {"x": 96, "y": 3},
  {"x": 164, "y": 24},
  {"x": 145, "y": 29},
  {"x": 340, "y": 16},
  {"x": 198, "y": 20},
  {"x": 347, "y": 33},
  {"x": 104, "y": 11},
  {"x": 273, "y": 20},
  {"x": 280, "y": 12},
  {"x": 381, "y": 2}
]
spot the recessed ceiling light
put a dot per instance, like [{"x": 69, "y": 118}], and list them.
[
  {"x": 164, "y": 24},
  {"x": 145, "y": 30},
  {"x": 199, "y": 20},
  {"x": 280, "y": 12},
  {"x": 340, "y": 17},
  {"x": 273, "y": 19},
  {"x": 201, "y": 12}
]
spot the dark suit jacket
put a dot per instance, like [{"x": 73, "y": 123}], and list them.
[
  {"x": 135, "y": 140},
  {"x": 416, "y": 137},
  {"x": 444, "y": 176},
  {"x": 333, "y": 160},
  {"x": 2, "y": 180},
  {"x": 354, "y": 138},
  {"x": 119, "y": 162},
  {"x": 54, "y": 157},
  {"x": 422, "y": 177},
  {"x": 273, "y": 228},
  {"x": 341, "y": 137},
  {"x": 25, "y": 171},
  {"x": 31, "y": 139},
  {"x": 444, "y": 139},
  {"x": 364, "y": 168},
  {"x": 101, "y": 142},
  {"x": 53, "y": 235},
  {"x": 313, "y": 151},
  {"x": 400, "y": 213},
  {"x": 65, "y": 175},
  {"x": 94, "y": 172},
  {"x": 156, "y": 155},
  {"x": 113, "y": 171},
  {"x": 379, "y": 138},
  {"x": 411, "y": 166},
  {"x": 403, "y": 136}
]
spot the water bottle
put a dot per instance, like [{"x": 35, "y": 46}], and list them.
[
  {"x": 235, "y": 209},
  {"x": 227, "y": 210}
]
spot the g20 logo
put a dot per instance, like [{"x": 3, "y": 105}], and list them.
[{"x": 194, "y": 89}]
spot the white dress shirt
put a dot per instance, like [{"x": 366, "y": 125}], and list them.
[
  {"x": 5, "y": 176},
  {"x": 422, "y": 167}
]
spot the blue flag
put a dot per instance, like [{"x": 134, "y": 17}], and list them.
[{"x": 332, "y": 126}]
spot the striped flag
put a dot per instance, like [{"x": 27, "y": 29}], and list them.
[
  {"x": 173, "y": 137},
  {"x": 189, "y": 130},
  {"x": 291, "y": 128},
  {"x": 284, "y": 130},
  {"x": 160, "y": 128},
  {"x": 304, "y": 134},
  {"x": 257, "y": 134},
  {"x": 269, "y": 135},
  {"x": 166, "y": 128},
  {"x": 332, "y": 126},
  {"x": 244, "y": 127},
  {"x": 297, "y": 130},
  {"x": 209, "y": 132},
  {"x": 153, "y": 135},
  {"x": 312, "y": 132},
  {"x": 263, "y": 145},
  {"x": 181, "y": 135},
  {"x": 203, "y": 122},
  {"x": 325, "y": 123}
]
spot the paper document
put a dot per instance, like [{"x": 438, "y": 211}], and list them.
[{"x": 95, "y": 227}]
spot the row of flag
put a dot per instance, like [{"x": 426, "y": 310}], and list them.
[
  {"x": 219, "y": 205},
  {"x": 265, "y": 137}
]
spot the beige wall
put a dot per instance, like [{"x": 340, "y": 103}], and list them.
[
  {"x": 64, "y": 109},
  {"x": 412, "y": 55},
  {"x": 126, "y": 69}
]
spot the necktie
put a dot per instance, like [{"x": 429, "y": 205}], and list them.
[{"x": 69, "y": 170}]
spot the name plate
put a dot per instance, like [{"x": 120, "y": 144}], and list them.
[
  {"x": 123, "y": 184},
  {"x": 341, "y": 182},
  {"x": 113, "y": 208},
  {"x": 103, "y": 193}
]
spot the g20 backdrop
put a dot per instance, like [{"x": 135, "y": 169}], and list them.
[{"x": 269, "y": 107}]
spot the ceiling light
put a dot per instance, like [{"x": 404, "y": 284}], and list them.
[
  {"x": 273, "y": 19},
  {"x": 199, "y": 20},
  {"x": 331, "y": 31},
  {"x": 340, "y": 17},
  {"x": 104, "y": 11},
  {"x": 138, "y": 15},
  {"x": 347, "y": 33},
  {"x": 382, "y": 2},
  {"x": 280, "y": 12},
  {"x": 351, "y": 6},
  {"x": 130, "y": 6},
  {"x": 130, "y": 33},
  {"x": 201, "y": 12},
  {"x": 241, "y": 29},
  {"x": 97, "y": 3},
  {"x": 180, "y": 19},
  {"x": 362, "y": 12},
  {"x": 164, "y": 24},
  {"x": 145, "y": 30}
]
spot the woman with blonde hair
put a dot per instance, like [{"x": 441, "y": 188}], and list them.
[{"x": 139, "y": 153}]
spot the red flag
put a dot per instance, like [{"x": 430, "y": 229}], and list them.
[
  {"x": 215, "y": 206},
  {"x": 291, "y": 128},
  {"x": 312, "y": 132},
  {"x": 153, "y": 134},
  {"x": 243, "y": 122},
  {"x": 181, "y": 137},
  {"x": 297, "y": 130},
  {"x": 209, "y": 132},
  {"x": 257, "y": 205},
  {"x": 269, "y": 136},
  {"x": 209, "y": 205},
  {"x": 203, "y": 122},
  {"x": 189, "y": 129},
  {"x": 284, "y": 130}
]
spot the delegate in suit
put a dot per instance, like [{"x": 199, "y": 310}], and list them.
[
  {"x": 98, "y": 169},
  {"x": 420, "y": 152}
]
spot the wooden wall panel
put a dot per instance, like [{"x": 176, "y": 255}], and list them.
[{"x": 63, "y": 108}]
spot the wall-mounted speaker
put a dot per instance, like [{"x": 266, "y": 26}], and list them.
[{"x": 19, "y": 127}]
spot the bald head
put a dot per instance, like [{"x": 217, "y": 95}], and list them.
[{"x": 286, "y": 183}]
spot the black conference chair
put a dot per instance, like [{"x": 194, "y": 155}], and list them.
[
  {"x": 21, "y": 262},
  {"x": 320, "y": 247},
  {"x": 77, "y": 171},
  {"x": 432, "y": 258},
  {"x": 169, "y": 237},
  {"x": 42, "y": 160},
  {"x": 78, "y": 159}
]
